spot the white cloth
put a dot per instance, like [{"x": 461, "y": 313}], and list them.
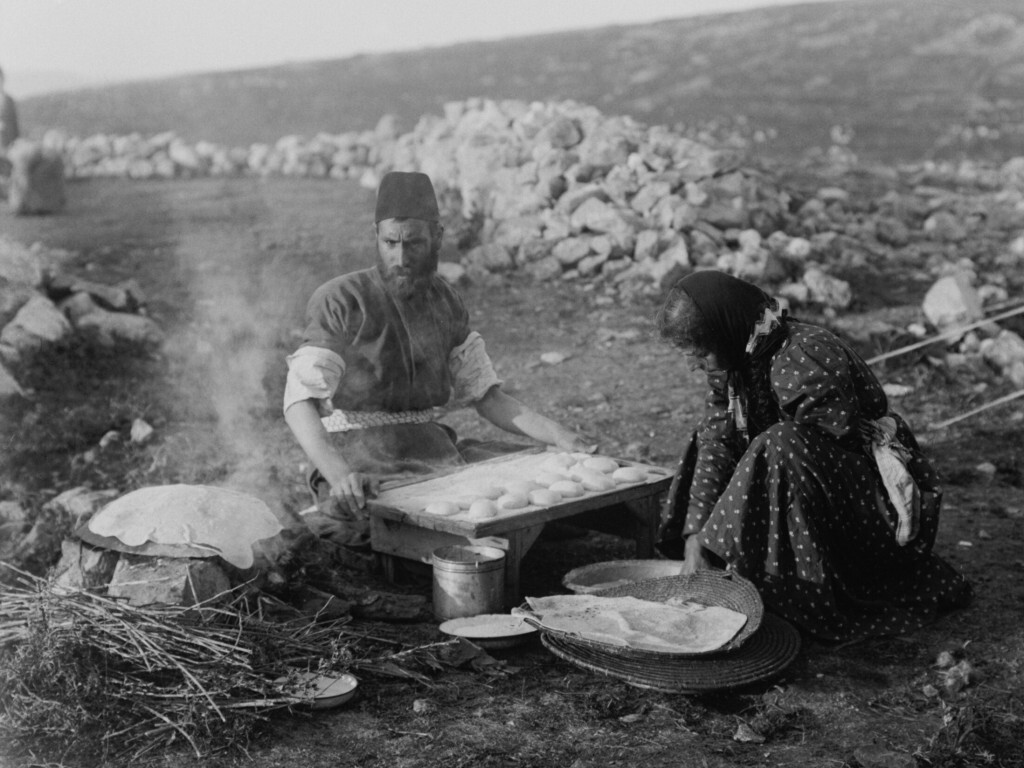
[
  {"x": 472, "y": 371},
  {"x": 891, "y": 458},
  {"x": 314, "y": 374}
]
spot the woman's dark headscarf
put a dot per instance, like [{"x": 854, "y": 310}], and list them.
[{"x": 712, "y": 311}]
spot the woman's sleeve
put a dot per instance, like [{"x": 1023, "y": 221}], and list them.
[
  {"x": 716, "y": 455},
  {"x": 814, "y": 385}
]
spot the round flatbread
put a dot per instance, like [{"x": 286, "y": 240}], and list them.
[
  {"x": 600, "y": 464},
  {"x": 567, "y": 488},
  {"x": 442, "y": 508},
  {"x": 628, "y": 475},
  {"x": 487, "y": 491},
  {"x": 512, "y": 501},
  {"x": 547, "y": 478},
  {"x": 520, "y": 487},
  {"x": 481, "y": 509},
  {"x": 544, "y": 497},
  {"x": 641, "y": 624},
  {"x": 594, "y": 481},
  {"x": 557, "y": 461}
]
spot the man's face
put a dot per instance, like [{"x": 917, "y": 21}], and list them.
[{"x": 408, "y": 251}]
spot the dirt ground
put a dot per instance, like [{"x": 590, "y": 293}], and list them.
[{"x": 227, "y": 267}]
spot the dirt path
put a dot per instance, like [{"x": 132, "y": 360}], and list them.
[{"x": 228, "y": 267}]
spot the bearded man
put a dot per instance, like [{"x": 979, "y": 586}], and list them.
[{"x": 384, "y": 349}]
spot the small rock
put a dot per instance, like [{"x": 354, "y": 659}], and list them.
[
  {"x": 141, "y": 431},
  {"x": 747, "y": 735},
  {"x": 944, "y": 660},
  {"x": 897, "y": 390},
  {"x": 553, "y": 358},
  {"x": 423, "y": 707},
  {"x": 986, "y": 469},
  {"x": 112, "y": 436},
  {"x": 873, "y": 756}
]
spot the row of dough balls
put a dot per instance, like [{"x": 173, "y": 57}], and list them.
[{"x": 562, "y": 475}]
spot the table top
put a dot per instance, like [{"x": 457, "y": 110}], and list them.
[{"x": 407, "y": 502}]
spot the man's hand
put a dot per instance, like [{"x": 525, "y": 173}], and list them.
[
  {"x": 351, "y": 491},
  {"x": 694, "y": 558}
]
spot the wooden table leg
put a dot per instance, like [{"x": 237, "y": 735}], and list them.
[
  {"x": 646, "y": 515},
  {"x": 519, "y": 543}
]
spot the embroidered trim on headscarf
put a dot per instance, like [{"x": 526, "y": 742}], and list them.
[{"x": 770, "y": 320}]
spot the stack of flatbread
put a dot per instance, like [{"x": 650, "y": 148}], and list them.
[{"x": 682, "y": 628}]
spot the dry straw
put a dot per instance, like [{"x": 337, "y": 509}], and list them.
[{"x": 84, "y": 674}]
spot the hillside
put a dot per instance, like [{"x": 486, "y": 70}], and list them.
[{"x": 907, "y": 76}]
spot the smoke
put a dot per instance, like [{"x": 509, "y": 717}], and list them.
[{"x": 230, "y": 358}]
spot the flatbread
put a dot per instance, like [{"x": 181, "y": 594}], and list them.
[
  {"x": 641, "y": 624},
  {"x": 218, "y": 519}
]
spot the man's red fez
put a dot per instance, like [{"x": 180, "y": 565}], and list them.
[{"x": 404, "y": 195}]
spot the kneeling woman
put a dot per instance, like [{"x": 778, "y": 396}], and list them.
[{"x": 799, "y": 478}]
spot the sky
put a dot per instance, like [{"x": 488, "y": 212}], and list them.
[{"x": 50, "y": 44}]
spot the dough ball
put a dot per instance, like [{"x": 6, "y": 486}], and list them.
[
  {"x": 628, "y": 475},
  {"x": 600, "y": 464},
  {"x": 558, "y": 461},
  {"x": 487, "y": 491},
  {"x": 580, "y": 456},
  {"x": 512, "y": 501},
  {"x": 567, "y": 488},
  {"x": 545, "y": 497},
  {"x": 481, "y": 509},
  {"x": 442, "y": 508},
  {"x": 520, "y": 487},
  {"x": 594, "y": 481},
  {"x": 547, "y": 478}
]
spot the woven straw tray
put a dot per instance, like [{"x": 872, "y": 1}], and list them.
[{"x": 766, "y": 654}]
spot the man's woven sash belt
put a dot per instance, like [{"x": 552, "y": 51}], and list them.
[{"x": 346, "y": 421}]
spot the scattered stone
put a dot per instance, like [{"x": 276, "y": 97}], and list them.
[
  {"x": 423, "y": 706},
  {"x": 37, "y": 324},
  {"x": 952, "y": 301},
  {"x": 84, "y": 567},
  {"x": 874, "y": 756},
  {"x": 553, "y": 358},
  {"x": 166, "y": 581},
  {"x": 113, "y": 328},
  {"x": 141, "y": 431},
  {"x": 9, "y": 386},
  {"x": 747, "y": 735}
]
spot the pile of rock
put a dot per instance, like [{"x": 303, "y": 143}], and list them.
[
  {"x": 39, "y": 306},
  {"x": 562, "y": 192}
]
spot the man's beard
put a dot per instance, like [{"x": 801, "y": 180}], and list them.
[{"x": 403, "y": 284}]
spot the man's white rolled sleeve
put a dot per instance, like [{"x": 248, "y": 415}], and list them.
[
  {"x": 313, "y": 374},
  {"x": 472, "y": 371}
]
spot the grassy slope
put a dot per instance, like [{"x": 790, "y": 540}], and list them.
[{"x": 899, "y": 71}]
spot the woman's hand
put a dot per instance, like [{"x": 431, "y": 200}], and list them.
[{"x": 694, "y": 558}]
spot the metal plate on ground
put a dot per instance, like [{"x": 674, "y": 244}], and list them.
[{"x": 491, "y": 630}]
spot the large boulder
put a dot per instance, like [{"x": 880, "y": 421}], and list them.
[{"x": 37, "y": 323}]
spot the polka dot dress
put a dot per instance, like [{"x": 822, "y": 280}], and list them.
[{"x": 801, "y": 510}]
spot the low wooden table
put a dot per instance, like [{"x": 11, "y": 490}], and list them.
[{"x": 399, "y": 526}]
